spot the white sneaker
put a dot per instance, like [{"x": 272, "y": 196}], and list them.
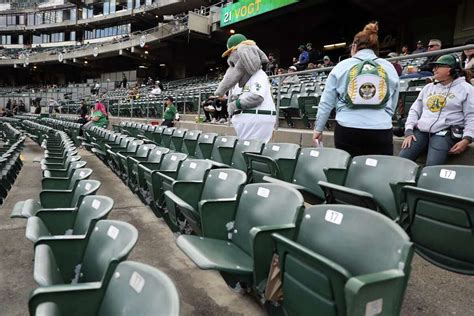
[
  {"x": 214, "y": 121},
  {"x": 222, "y": 121}
]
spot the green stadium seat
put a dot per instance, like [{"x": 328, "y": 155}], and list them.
[
  {"x": 56, "y": 199},
  {"x": 310, "y": 168},
  {"x": 219, "y": 195},
  {"x": 137, "y": 181},
  {"x": 372, "y": 183},
  {"x": 61, "y": 165},
  {"x": 66, "y": 172},
  {"x": 345, "y": 260},
  {"x": 132, "y": 161},
  {"x": 223, "y": 149},
  {"x": 55, "y": 222},
  {"x": 133, "y": 287},
  {"x": 57, "y": 259},
  {"x": 166, "y": 136},
  {"x": 205, "y": 145},
  {"x": 263, "y": 208},
  {"x": 277, "y": 160},
  {"x": 177, "y": 139},
  {"x": 190, "y": 142},
  {"x": 441, "y": 216},
  {"x": 66, "y": 183},
  {"x": 245, "y": 146},
  {"x": 157, "y": 134},
  {"x": 120, "y": 158}
]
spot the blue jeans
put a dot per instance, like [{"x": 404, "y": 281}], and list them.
[{"x": 437, "y": 147}]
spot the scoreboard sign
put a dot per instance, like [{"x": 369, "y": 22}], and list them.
[{"x": 246, "y": 9}]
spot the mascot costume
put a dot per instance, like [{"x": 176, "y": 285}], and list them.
[{"x": 250, "y": 101}]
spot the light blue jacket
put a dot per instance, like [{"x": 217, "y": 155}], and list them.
[{"x": 335, "y": 92}]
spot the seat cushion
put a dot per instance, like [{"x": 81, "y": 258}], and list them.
[
  {"x": 216, "y": 254},
  {"x": 46, "y": 271},
  {"x": 25, "y": 209},
  {"x": 47, "y": 309}
]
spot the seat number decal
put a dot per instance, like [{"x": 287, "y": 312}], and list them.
[
  {"x": 334, "y": 217},
  {"x": 223, "y": 176},
  {"x": 447, "y": 174},
  {"x": 371, "y": 162},
  {"x": 88, "y": 186},
  {"x": 374, "y": 307},
  {"x": 314, "y": 153},
  {"x": 137, "y": 282},
  {"x": 275, "y": 148},
  {"x": 96, "y": 204},
  {"x": 264, "y": 192},
  {"x": 113, "y": 232},
  {"x": 192, "y": 165}
]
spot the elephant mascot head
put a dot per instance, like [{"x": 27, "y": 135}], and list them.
[{"x": 244, "y": 60}]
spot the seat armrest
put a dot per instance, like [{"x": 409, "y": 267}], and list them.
[
  {"x": 380, "y": 292},
  {"x": 69, "y": 297},
  {"x": 68, "y": 252},
  {"x": 339, "y": 194},
  {"x": 56, "y": 198},
  {"x": 262, "y": 247},
  {"x": 271, "y": 164},
  {"x": 335, "y": 175},
  {"x": 215, "y": 214}
]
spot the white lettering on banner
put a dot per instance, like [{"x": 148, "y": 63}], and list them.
[
  {"x": 334, "y": 217},
  {"x": 113, "y": 232},
  {"x": 264, "y": 192},
  {"x": 223, "y": 176},
  {"x": 371, "y": 162},
  {"x": 314, "y": 153},
  {"x": 447, "y": 174},
  {"x": 137, "y": 282},
  {"x": 95, "y": 204}
]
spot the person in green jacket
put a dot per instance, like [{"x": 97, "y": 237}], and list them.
[{"x": 170, "y": 112}]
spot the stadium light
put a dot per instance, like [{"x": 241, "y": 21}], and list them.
[
  {"x": 335, "y": 46},
  {"x": 86, "y": 62},
  {"x": 162, "y": 65},
  {"x": 146, "y": 52},
  {"x": 142, "y": 66},
  {"x": 34, "y": 67}
]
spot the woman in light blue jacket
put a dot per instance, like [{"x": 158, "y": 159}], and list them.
[{"x": 361, "y": 129}]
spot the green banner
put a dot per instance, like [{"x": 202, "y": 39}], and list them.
[{"x": 246, "y": 9}]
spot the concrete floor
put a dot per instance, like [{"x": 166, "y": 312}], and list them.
[{"x": 431, "y": 291}]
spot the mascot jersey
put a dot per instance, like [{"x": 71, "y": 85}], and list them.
[{"x": 252, "y": 125}]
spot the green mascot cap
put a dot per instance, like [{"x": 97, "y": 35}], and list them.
[{"x": 232, "y": 43}]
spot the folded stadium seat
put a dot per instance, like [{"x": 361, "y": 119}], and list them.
[
  {"x": 134, "y": 287},
  {"x": 223, "y": 150},
  {"x": 99, "y": 141},
  {"x": 137, "y": 181},
  {"x": 219, "y": 195},
  {"x": 56, "y": 199},
  {"x": 308, "y": 103},
  {"x": 187, "y": 183},
  {"x": 190, "y": 142},
  {"x": 374, "y": 182},
  {"x": 166, "y": 136},
  {"x": 328, "y": 269},
  {"x": 51, "y": 156},
  {"x": 148, "y": 132},
  {"x": 111, "y": 149},
  {"x": 119, "y": 158},
  {"x": 156, "y": 135},
  {"x": 310, "y": 168},
  {"x": 66, "y": 172},
  {"x": 66, "y": 183},
  {"x": 130, "y": 161},
  {"x": 204, "y": 146},
  {"x": 441, "y": 216},
  {"x": 59, "y": 165},
  {"x": 277, "y": 160},
  {"x": 67, "y": 221},
  {"x": 245, "y": 255},
  {"x": 177, "y": 139},
  {"x": 169, "y": 166},
  {"x": 72, "y": 260}
]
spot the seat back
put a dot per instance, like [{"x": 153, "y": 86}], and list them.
[
  {"x": 331, "y": 247},
  {"x": 375, "y": 173},
  {"x": 284, "y": 155},
  {"x": 245, "y": 146},
  {"x": 190, "y": 142},
  {"x": 223, "y": 149},
  {"x": 172, "y": 161},
  {"x": 83, "y": 188},
  {"x": 156, "y": 154},
  {"x": 92, "y": 209},
  {"x": 144, "y": 150},
  {"x": 442, "y": 217},
  {"x": 133, "y": 145},
  {"x": 157, "y": 133},
  {"x": 311, "y": 163},
  {"x": 109, "y": 244},
  {"x": 166, "y": 136},
  {"x": 78, "y": 175},
  {"x": 193, "y": 169},
  {"x": 204, "y": 145},
  {"x": 264, "y": 204},
  {"x": 177, "y": 139},
  {"x": 140, "y": 288},
  {"x": 223, "y": 184}
]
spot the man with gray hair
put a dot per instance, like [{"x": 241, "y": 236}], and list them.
[{"x": 426, "y": 69}]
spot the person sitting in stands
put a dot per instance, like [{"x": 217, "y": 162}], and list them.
[
  {"x": 293, "y": 78},
  {"x": 426, "y": 69},
  {"x": 441, "y": 121},
  {"x": 100, "y": 116}
]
